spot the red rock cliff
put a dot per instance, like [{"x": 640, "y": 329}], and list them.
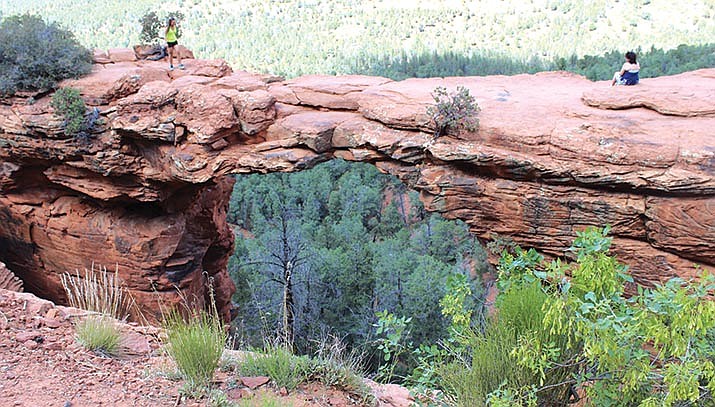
[{"x": 149, "y": 190}]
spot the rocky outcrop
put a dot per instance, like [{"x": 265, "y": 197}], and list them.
[{"x": 148, "y": 190}]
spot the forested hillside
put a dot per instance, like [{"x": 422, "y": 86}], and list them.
[
  {"x": 295, "y": 37},
  {"x": 343, "y": 242}
]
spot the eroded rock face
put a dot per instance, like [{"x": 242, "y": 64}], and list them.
[
  {"x": 8, "y": 280},
  {"x": 149, "y": 190}
]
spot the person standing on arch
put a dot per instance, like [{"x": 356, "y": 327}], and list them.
[
  {"x": 172, "y": 40},
  {"x": 628, "y": 75}
]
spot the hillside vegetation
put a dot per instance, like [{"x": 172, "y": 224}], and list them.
[
  {"x": 294, "y": 37},
  {"x": 335, "y": 246}
]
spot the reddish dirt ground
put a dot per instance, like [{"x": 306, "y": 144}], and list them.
[{"x": 42, "y": 364}]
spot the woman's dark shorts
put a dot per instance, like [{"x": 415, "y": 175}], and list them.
[{"x": 172, "y": 44}]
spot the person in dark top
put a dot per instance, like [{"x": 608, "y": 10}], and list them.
[{"x": 628, "y": 75}]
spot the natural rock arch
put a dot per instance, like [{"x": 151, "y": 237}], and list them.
[{"x": 149, "y": 190}]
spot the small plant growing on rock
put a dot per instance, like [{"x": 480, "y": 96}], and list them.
[
  {"x": 68, "y": 104},
  {"x": 453, "y": 111}
]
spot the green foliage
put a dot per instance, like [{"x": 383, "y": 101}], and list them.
[
  {"x": 392, "y": 332},
  {"x": 99, "y": 334},
  {"x": 454, "y": 305},
  {"x": 68, "y": 103},
  {"x": 35, "y": 55},
  {"x": 364, "y": 244},
  {"x": 453, "y": 111},
  {"x": 487, "y": 365},
  {"x": 654, "y": 348},
  {"x": 429, "y": 64},
  {"x": 262, "y": 400},
  {"x": 195, "y": 343},
  {"x": 218, "y": 398},
  {"x": 278, "y": 363},
  {"x": 150, "y": 28}
]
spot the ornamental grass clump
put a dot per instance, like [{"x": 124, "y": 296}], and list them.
[
  {"x": 99, "y": 334},
  {"x": 98, "y": 291},
  {"x": 102, "y": 294},
  {"x": 195, "y": 342},
  {"x": 277, "y": 362}
]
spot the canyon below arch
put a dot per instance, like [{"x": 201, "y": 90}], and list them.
[{"x": 147, "y": 192}]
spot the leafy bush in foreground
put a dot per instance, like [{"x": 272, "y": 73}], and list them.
[
  {"x": 36, "y": 55},
  {"x": 652, "y": 349}
]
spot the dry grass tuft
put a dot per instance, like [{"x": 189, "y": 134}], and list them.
[{"x": 98, "y": 291}]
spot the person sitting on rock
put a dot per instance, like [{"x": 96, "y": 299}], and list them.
[
  {"x": 628, "y": 75},
  {"x": 171, "y": 40}
]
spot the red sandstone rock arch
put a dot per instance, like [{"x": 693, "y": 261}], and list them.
[{"x": 149, "y": 191}]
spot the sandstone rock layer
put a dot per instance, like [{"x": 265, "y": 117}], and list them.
[{"x": 148, "y": 190}]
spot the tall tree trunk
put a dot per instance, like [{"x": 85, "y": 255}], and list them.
[{"x": 288, "y": 310}]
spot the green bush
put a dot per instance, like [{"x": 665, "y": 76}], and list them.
[
  {"x": 652, "y": 349},
  {"x": 36, "y": 55},
  {"x": 153, "y": 27},
  {"x": 99, "y": 334},
  {"x": 68, "y": 104},
  {"x": 491, "y": 363},
  {"x": 195, "y": 343},
  {"x": 453, "y": 111},
  {"x": 150, "y": 28}
]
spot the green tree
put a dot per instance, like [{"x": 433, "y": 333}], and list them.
[
  {"x": 150, "y": 28},
  {"x": 366, "y": 250},
  {"x": 35, "y": 55}
]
